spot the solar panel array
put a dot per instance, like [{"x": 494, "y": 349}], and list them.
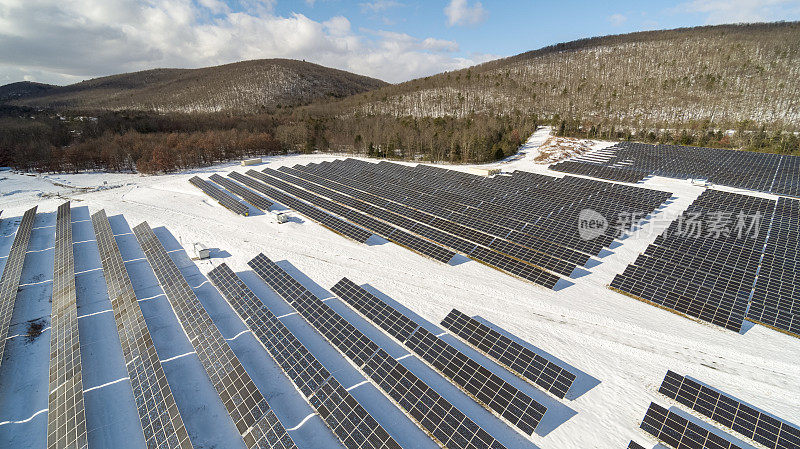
[
  {"x": 523, "y": 202},
  {"x": 730, "y": 412},
  {"x": 525, "y": 224},
  {"x": 340, "y": 411},
  {"x": 9, "y": 282},
  {"x": 679, "y": 432},
  {"x": 625, "y": 161},
  {"x": 248, "y": 195},
  {"x": 66, "y": 418},
  {"x": 694, "y": 270},
  {"x": 162, "y": 424},
  {"x": 523, "y": 361},
  {"x": 600, "y": 171},
  {"x": 251, "y": 414},
  {"x": 776, "y": 299},
  {"x": 222, "y": 198},
  {"x": 489, "y": 389},
  {"x": 327, "y": 220},
  {"x": 432, "y": 412}
]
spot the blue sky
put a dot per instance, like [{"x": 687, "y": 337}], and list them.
[{"x": 395, "y": 40}]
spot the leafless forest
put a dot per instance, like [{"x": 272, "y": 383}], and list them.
[{"x": 731, "y": 86}]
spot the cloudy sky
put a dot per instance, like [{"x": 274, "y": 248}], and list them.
[{"x": 65, "y": 41}]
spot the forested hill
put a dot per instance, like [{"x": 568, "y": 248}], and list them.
[
  {"x": 656, "y": 79},
  {"x": 22, "y": 89},
  {"x": 247, "y": 86}
]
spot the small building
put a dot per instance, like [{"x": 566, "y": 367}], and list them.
[
  {"x": 702, "y": 182},
  {"x": 254, "y": 161},
  {"x": 483, "y": 171},
  {"x": 201, "y": 251}
]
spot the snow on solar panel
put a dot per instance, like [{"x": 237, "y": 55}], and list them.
[
  {"x": 66, "y": 418},
  {"x": 162, "y": 424},
  {"x": 247, "y": 407}
]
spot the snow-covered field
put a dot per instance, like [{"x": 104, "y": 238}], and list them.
[{"x": 621, "y": 347}]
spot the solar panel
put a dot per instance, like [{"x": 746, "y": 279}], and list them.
[
  {"x": 523, "y": 361},
  {"x": 680, "y": 433},
  {"x": 327, "y": 220},
  {"x": 487, "y": 388},
  {"x": 448, "y": 233},
  {"x": 776, "y": 298},
  {"x": 161, "y": 421},
  {"x": 222, "y": 198},
  {"x": 730, "y": 412},
  {"x": 340, "y": 411},
  {"x": 247, "y": 407},
  {"x": 66, "y": 419},
  {"x": 635, "y": 445},
  {"x": 630, "y": 161},
  {"x": 248, "y": 195},
  {"x": 9, "y": 282},
  {"x": 432, "y": 413},
  {"x": 696, "y": 268}
]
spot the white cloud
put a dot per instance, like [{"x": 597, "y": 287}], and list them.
[
  {"x": 733, "y": 11},
  {"x": 459, "y": 12},
  {"x": 65, "y": 41},
  {"x": 617, "y": 19},
  {"x": 378, "y": 6}
]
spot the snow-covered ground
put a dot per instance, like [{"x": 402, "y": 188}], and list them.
[{"x": 621, "y": 347}]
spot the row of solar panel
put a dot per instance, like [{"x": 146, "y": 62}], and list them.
[
  {"x": 464, "y": 239},
  {"x": 492, "y": 392},
  {"x": 434, "y": 414},
  {"x": 9, "y": 282},
  {"x": 779, "y": 174},
  {"x": 504, "y": 196},
  {"x": 725, "y": 279},
  {"x": 348, "y": 420},
  {"x": 431, "y": 235},
  {"x": 730, "y": 412},
  {"x": 246, "y": 406},
  {"x": 221, "y": 197},
  {"x": 702, "y": 275},
  {"x": 66, "y": 418}
]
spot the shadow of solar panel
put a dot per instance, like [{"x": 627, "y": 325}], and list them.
[
  {"x": 9, "y": 282},
  {"x": 245, "y": 404},
  {"x": 161, "y": 422},
  {"x": 248, "y": 195},
  {"x": 526, "y": 363},
  {"x": 222, "y": 198},
  {"x": 359, "y": 429},
  {"x": 730, "y": 412},
  {"x": 66, "y": 419},
  {"x": 680, "y": 433},
  {"x": 489, "y": 389},
  {"x": 431, "y": 412}
]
